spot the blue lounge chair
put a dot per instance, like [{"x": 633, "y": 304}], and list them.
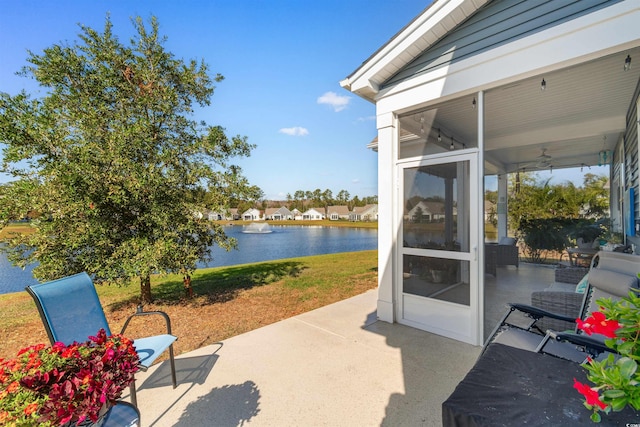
[{"x": 71, "y": 311}]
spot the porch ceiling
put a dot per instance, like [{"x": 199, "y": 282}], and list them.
[{"x": 581, "y": 112}]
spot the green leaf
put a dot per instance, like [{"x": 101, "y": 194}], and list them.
[
  {"x": 618, "y": 404},
  {"x": 628, "y": 367},
  {"x": 613, "y": 394}
]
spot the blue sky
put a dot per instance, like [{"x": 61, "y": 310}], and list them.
[{"x": 282, "y": 62}]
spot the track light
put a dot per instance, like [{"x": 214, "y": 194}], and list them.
[
  {"x": 627, "y": 63},
  {"x": 543, "y": 85},
  {"x": 451, "y": 147},
  {"x": 473, "y": 103},
  {"x": 439, "y": 136}
]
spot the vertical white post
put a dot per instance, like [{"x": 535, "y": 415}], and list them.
[
  {"x": 477, "y": 300},
  {"x": 387, "y": 183}
]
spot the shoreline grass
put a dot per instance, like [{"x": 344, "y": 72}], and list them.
[{"x": 227, "y": 301}]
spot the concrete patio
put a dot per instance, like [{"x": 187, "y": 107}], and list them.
[{"x": 335, "y": 366}]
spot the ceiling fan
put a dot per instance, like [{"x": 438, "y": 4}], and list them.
[{"x": 543, "y": 161}]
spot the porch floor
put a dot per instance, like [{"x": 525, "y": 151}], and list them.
[{"x": 336, "y": 366}]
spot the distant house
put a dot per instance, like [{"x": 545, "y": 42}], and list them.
[
  {"x": 297, "y": 215},
  {"x": 426, "y": 211},
  {"x": 214, "y": 216},
  {"x": 278, "y": 214},
  {"x": 251, "y": 215},
  {"x": 233, "y": 214},
  {"x": 335, "y": 213},
  {"x": 364, "y": 213},
  {"x": 312, "y": 215}
]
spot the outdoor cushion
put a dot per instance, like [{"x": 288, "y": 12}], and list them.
[
  {"x": 581, "y": 287},
  {"x": 611, "y": 281},
  {"x": 509, "y": 241}
]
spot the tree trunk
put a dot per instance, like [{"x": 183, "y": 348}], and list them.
[{"x": 145, "y": 290}]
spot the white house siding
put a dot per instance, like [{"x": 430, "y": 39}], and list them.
[
  {"x": 312, "y": 215},
  {"x": 251, "y": 215}
]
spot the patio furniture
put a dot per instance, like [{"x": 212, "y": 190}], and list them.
[
  {"x": 509, "y": 386},
  {"x": 579, "y": 256},
  {"x": 612, "y": 275},
  {"x": 123, "y": 414},
  {"x": 71, "y": 311},
  {"x": 566, "y": 302},
  {"x": 503, "y": 253}
]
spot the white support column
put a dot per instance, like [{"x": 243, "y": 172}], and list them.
[
  {"x": 502, "y": 206},
  {"x": 387, "y": 137},
  {"x": 477, "y": 299}
]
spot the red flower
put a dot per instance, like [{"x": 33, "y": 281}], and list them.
[
  {"x": 592, "y": 397},
  {"x": 597, "y": 323},
  {"x": 65, "y": 383}
]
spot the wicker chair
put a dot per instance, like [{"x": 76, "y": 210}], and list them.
[{"x": 501, "y": 254}]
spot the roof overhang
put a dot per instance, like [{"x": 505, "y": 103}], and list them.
[
  {"x": 582, "y": 112},
  {"x": 425, "y": 30}
]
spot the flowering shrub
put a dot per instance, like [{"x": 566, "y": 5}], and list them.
[
  {"x": 51, "y": 386},
  {"x": 616, "y": 379}
]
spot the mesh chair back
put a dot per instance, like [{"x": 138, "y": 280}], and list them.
[
  {"x": 69, "y": 308},
  {"x": 612, "y": 275}
]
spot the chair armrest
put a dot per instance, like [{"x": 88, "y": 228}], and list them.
[
  {"x": 538, "y": 313},
  {"x": 589, "y": 343},
  {"x": 140, "y": 312}
]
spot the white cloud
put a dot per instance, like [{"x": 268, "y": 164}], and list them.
[
  {"x": 338, "y": 102},
  {"x": 295, "y": 131},
  {"x": 366, "y": 119},
  {"x": 356, "y": 181}
]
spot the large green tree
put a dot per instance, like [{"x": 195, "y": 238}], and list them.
[{"x": 111, "y": 163}]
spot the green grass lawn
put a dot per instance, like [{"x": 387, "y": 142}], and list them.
[{"x": 227, "y": 300}]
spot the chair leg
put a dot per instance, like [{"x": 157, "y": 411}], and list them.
[
  {"x": 173, "y": 367},
  {"x": 132, "y": 392}
]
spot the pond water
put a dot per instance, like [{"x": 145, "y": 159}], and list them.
[{"x": 282, "y": 242}]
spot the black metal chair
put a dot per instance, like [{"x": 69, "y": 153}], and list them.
[
  {"x": 612, "y": 275},
  {"x": 71, "y": 311}
]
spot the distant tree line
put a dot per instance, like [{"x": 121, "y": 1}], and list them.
[
  {"x": 317, "y": 198},
  {"x": 301, "y": 200}
]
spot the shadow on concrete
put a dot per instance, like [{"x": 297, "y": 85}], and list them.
[
  {"x": 431, "y": 368},
  {"x": 230, "y": 405},
  {"x": 189, "y": 370}
]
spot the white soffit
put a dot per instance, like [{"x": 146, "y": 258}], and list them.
[{"x": 424, "y": 31}]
